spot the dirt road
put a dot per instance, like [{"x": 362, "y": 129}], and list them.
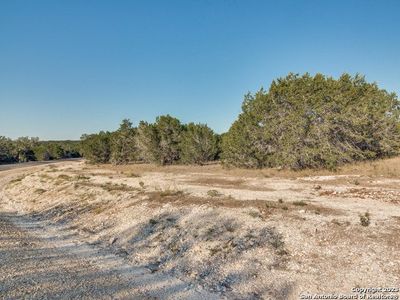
[{"x": 41, "y": 261}]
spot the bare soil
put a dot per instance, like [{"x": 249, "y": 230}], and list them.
[{"x": 197, "y": 232}]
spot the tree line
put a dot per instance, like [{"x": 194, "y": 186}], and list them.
[
  {"x": 26, "y": 149},
  {"x": 301, "y": 121},
  {"x": 166, "y": 141}
]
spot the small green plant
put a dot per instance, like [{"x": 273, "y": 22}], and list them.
[
  {"x": 141, "y": 183},
  {"x": 365, "y": 219},
  {"x": 214, "y": 193},
  {"x": 280, "y": 200},
  {"x": 356, "y": 182}
]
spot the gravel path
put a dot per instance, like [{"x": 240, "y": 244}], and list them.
[{"x": 42, "y": 261}]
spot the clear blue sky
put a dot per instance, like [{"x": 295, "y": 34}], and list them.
[{"x": 72, "y": 67}]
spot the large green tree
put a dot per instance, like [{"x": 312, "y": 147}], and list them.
[
  {"x": 314, "y": 121},
  {"x": 23, "y": 148},
  {"x": 199, "y": 144},
  {"x": 6, "y": 150},
  {"x": 96, "y": 148},
  {"x": 160, "y": 142},
  {"x": 123, "y": 144}
]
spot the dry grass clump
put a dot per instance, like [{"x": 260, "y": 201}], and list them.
[
  {"x": 64, "y": 177},
  {"x": 171, "y": 193},
  {"x": 299, "y": 203},
  {"x": 18, "y": 179},
  {"x": 109, "y": 186},
  {"x": 132, "y": 174},
  {"x": 40, "y": 191},
  {"x": 82, "y": 177},
  {"x": 214, "y": 193}
]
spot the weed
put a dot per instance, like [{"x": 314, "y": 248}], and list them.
[
  {"x": 141, "y": 183},
  {"x": 280, "y": 200},
  {"x": 365, "y": 219},
  {"x": 214, "y": 193}
]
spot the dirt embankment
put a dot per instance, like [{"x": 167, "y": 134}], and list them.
[{"x": 233, "y": 234}]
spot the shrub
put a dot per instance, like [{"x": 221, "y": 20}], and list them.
[
  {"x": 365, "y": 219},
  {"x": 123, "y": 144},
  {"x": 214, "y": 193},
  {"x": 160, "y": 142},
  {"x": 314, "y": 122},
  {"x": 96, "y": 148},
  {"x": 199, "y": 144}
]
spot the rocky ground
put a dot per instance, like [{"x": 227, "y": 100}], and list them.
[{"x": 73, "y": 230}]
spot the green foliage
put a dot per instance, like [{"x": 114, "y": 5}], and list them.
[
  {"x": 314, "y": 122},
  {"x": 160, "y": 142},
  {"x": 123, "y": 144},
  {"x": 6, "y": 150},
  {"x": 199, "y": 144},
  {"x": 26, "y": 149},
  {"x": 169, "y": 131},
  {"x": 96, "y": 148},
  {"x": 23, "y": 149},
  {"x": 147, "y": 142}
]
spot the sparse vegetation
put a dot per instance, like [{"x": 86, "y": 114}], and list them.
[
  {"x": 40, "y": 191},
  {"x": 171, "y": 192},
  {"x": 365, "y": 219},
  {"x": 214, "y": 193},
  {"x": 64, "y": 177}
]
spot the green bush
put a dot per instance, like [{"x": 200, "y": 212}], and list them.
[
  {"x": 123, "y": 144},
  {"x": 160, "y": 142},
  {"x": 314, "y": 122},
  {"x": 199, "y": 144},
  {"x": 96, "y": 148}
]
